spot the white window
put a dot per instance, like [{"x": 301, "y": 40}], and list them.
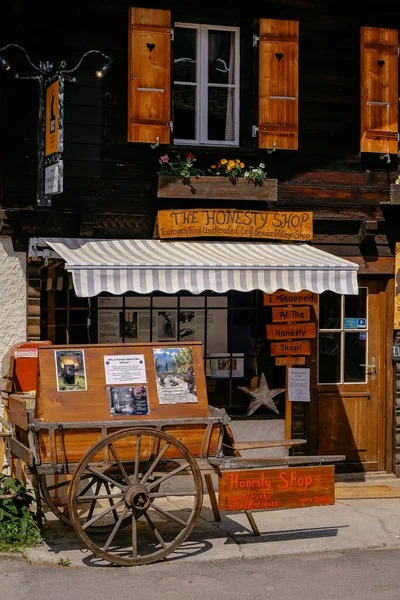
[
  {"x": 343, "y": 338},
  {"x": 206, "y": 85}
]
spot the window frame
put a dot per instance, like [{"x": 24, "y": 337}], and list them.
[
  {"x": 202, "y": 85},
  {"x": 342, "y": 331}
]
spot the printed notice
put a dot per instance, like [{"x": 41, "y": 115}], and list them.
[
  {"x": 299, "y": 385},
  {"x": 125, "y": 369}
]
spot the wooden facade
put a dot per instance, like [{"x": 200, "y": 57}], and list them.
[{"x": 325, "y": 165}]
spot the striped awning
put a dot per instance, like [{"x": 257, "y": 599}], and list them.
[{"x": 144, "y": 266}]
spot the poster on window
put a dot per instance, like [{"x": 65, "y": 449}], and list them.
[
  {"x": 227, "y": 365},
  {"x": 128, "y": 401},
  {"x": 70, "y": 370},
  {"x": 109, "y": 320},
  {"x": 298, "y": 385},
  {"x": 176, "y": 383}
]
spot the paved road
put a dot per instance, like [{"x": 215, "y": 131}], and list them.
[{"x": 353, "y": 575}]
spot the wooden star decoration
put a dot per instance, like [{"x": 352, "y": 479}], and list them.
[{"x": 261, "y": 396}]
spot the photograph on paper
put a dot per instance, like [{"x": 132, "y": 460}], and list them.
[
  {"x": 175, "y": 376},
  {"x": 166, "y": 325},
  {"x": 128, "y": 401},
  {"x": 225, "y": 364},
  {"x": 70, "y": 370}
]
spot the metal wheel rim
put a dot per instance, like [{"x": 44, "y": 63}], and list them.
[{"x": 194, "y": 514}]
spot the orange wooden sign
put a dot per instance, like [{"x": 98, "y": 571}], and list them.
[
  {"x": 51, "y": 116},
  {"x": 230, "y": 222},
  {"x": 290, "y": 348},
  {"x": 289, "y": 361},
  {"x": 272, "y": 489},
  {"x": 289, "y": 332},
  {"x": 294, "y": 315},
  {"x": 282, "y": 297}
]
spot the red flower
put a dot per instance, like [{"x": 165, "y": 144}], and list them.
[{"x": 190, "y": 156}]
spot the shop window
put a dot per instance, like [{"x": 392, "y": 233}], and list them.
[
  {"x": 342, "y": 338},
  {"x": 206, "y": 85}
]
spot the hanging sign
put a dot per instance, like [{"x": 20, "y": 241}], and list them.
[
  {"x": 289, "y": 361},
  {"x": 52, "y": 117},
  {"x": 288, "y": 331},
  {"x": 295, "y": 298},
  {"x": 299, "y": 385},
  {"x": 290, "y": 348},
  {"x": 229, "y": 222},
  {"x": 293, "y": 315}
]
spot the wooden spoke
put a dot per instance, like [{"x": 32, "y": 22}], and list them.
[
  {"x": 155, "y": 463},
  {"x": 87, "y": 487},
  {"x": 134, "y": 536},
  {"x": 137, "y": 460},
  {"x": 110, "y": 499},
  {"x": 105, "y": 477},
  {"x": 99, "y": 497},
  {"x": 93, "y": 502},
  {"x": 120, "y": 465},
  {"x": 102, "y": 514},
  {"x": 155, "y": 530},
  {"x": 115, "y": 529},
  {"x": 169, "y": 515},
  {"x": 167, "y": 476}
]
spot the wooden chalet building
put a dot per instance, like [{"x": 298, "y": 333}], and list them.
[{"x": 308, "y": 88}]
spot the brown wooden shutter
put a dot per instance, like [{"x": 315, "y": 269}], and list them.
[
  {"x": 278, "y": 84},
  {"x": 149, "y": 88},
  {"x": 379, "y": 90}
]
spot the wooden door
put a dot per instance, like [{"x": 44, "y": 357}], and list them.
[{"x": 350, "y": 392}]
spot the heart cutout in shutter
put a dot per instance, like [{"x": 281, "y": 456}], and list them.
[
  {"x": 151, "y": 47},
  {"x": 279, "y": 55},
  {"x": 380, "y": 62}
]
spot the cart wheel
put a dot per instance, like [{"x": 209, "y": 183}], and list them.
[
  {"x": 148, "y": 461},
  {"x": 55, "y": 489}
]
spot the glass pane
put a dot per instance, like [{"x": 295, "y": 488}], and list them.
[
  {"x": 329, "y": 310},
  {"x": 185, "y": 54},
  {"x": 221, "y": 57},
  {"x": 355, "y": 307},
  {"x": 185, "y": 112},
  {"x": 329, "y": 358},
  {"x": 221, "y": 114},
  {"x": 354, "y": 356}
]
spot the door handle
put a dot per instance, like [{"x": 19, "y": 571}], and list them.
[{"x": 372, "y": 366}]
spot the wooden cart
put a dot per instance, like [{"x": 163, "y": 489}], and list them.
[{"x": 108, "y": 455}]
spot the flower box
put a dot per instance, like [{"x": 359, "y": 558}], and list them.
[
  {"x": 395, "y": 193},
  {"x": 217, "y": 188}
]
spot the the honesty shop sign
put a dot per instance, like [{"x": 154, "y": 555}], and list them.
[
  {"x": 272, "y": 489},
  {"x": 229, "y": 222}
]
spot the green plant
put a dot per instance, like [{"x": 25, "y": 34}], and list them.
[
  {"x": 64, "y": 562},
  {"x": 17, "y": 527},
  {"x": 178, "y": 166}
]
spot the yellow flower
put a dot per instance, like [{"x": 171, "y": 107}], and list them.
[
  {"x": 241, "y": 165},
  {"x": 231, "y": 163},
  {"x": 213, "y": 166},
  {"x": 223, "y": 161},
  {"x": 229, "y": 168},
  {"x": 237, "y": 160}
]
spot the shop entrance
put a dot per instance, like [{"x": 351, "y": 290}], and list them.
[{"x": 348, "y": 411}]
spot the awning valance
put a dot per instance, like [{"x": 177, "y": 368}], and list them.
[{"x": 144, "y": 266}]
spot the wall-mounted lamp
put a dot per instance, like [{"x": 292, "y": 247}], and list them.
[
  {"x": 104, "y": 69},
  {"x": 4, "y": 63}
]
